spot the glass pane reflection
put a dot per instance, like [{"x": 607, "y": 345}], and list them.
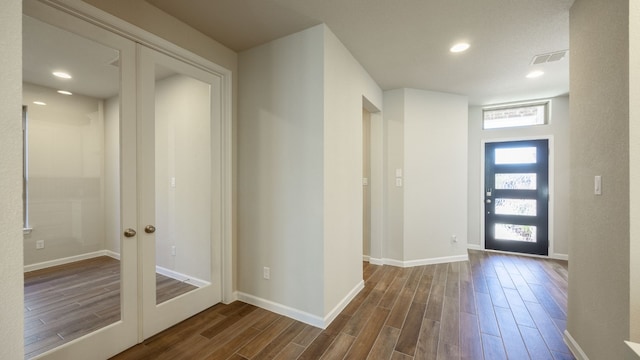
[
  {"x": 516, "y": 181},
  {"x": 525, "y": 233},
  {"x": 519, "y": 155},
  {"x": 182, "y": 183},
  {"x": 524, "y": 207}
]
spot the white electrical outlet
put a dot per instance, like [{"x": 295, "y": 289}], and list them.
[
  {"x": 454, "y": 239},
  {"x": 266, "y": 273},
  {"x": 40, "y": 244},
  {"x": 173, "y": 250}
]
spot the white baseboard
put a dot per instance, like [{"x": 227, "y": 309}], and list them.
[
  {"x": 366, "y": 258},
  {"x": 181, "y": 277},
  {"x": 70, "y": 259},
  {"x": 284, "y": 310},
  {"x": 560, "y": 256},
  {"x": 574, "y": 347},
  {"x": 419, "y": 262},
  {"x": 112, "y": 254},
  {"x": 300, "y": 315},
  {"x": 328, "y": 319},
  {"x": 474, "y": 247}
]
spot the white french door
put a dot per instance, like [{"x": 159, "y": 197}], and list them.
[
  {"x": 166, "y": 162},
  {"x": 179, "y": 185}
]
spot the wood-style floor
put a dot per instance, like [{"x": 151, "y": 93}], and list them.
[
  {"x": 494, "y": 306},
  {"x": 65, "y": 302}
]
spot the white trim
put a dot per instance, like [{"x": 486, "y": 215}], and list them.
[
  {"x": 284, "y": 310},
  {"x": 112, "y": 254},
  {"x": 300, "y": 315},
  {"x": 560, "y": 256},
  {"x": 573, "y": 346},
  {"x": 551, "y": 172},
  {"x": 70, "y": 259},
  {"x": 328, "y": 319},
  {"x": 474, "y": 247},
  {"x": 419, "y": 262},
  {"x": 181, "y": 277},
  {"x": 366, "y": 258},
  {"x": 635, "y": 348}
]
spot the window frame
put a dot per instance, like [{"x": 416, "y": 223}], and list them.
[{"x": 545, "y": 103}]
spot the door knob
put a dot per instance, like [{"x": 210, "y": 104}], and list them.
[
  {"x": 129, "y": 232},
  {"x": 488, "y": 201},
  {"x": 149, "y": 229}
]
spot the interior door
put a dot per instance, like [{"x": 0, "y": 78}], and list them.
[
  {"x": 517, "y": 196},
  {"x": 179, "y": 166},
  {"x": 83, "y": 180}
]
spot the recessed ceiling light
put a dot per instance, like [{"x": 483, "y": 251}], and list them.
[
  {"x": 64, "y": 92},
  {"x": 40, "y": 103},
  {"x": 460, "y": 47},
  {"x": 62, "y": 75},
  {"x": 535, "y": 74}
]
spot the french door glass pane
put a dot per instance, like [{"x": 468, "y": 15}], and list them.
[
  {"x": 183, "y": 183},
  {"x": 525, "y": 233},
  {"x": 73, "y": 208},
  {"x": 516, "y": 181},
  {"x": 517, "y": 155},
  {"x": 524, "y": 207}
]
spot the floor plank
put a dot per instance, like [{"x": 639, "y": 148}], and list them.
[
  {"x": 65, "y": 302},
  {"x": 495, "y": 306}
]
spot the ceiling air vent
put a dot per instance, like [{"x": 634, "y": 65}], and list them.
[{"x": 549, "y": 57}]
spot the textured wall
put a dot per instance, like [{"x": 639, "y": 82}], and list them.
[
  {"x": 598, "y": 317},
  {"x": 11, "y": 283}
]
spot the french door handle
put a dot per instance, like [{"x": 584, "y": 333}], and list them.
[
  {"x": 149, "y": 229},
  {"x": 488, "y": 201},
  {"x": 129, "y": 232}
]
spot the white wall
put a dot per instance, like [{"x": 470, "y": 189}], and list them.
[
  {"x": 11, "y": 257},
  {"x": 300, "y": 171},
  {"x": 598, "y": 303},
  {"x": 183, "y": 152},
  {"x": 281, "y": 171},
  {"x": 345, "y": 85},
  {"x": 66, "y": 194},
  {"x": 435, "y": 175},
  {"x": 430, "y": 207},
  {"x": 558, "y": 131},
  {"x": 394, "y": 113}
]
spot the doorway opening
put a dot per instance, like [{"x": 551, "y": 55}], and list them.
[{"x": 366, "y": 192}]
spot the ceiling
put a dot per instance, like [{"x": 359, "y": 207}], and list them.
[{"x": 405, "y": 43}]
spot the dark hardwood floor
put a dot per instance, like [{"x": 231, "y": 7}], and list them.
[
  {"x": 494, "y": 306},
  {"x": 65, "y": 302}
]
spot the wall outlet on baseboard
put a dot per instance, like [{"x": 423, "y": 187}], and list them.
[
  {"x": 39, "y": 244},
  {"x": 266, "y": 273}
]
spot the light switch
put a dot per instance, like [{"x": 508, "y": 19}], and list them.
[
  {"x": 597, "y": 185},
  {"x": 398, "y": 172},
  {"x": 398, "y": 182},
  {"x": 172, "y": 182},
  {"x": 365, "y": 181}
]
